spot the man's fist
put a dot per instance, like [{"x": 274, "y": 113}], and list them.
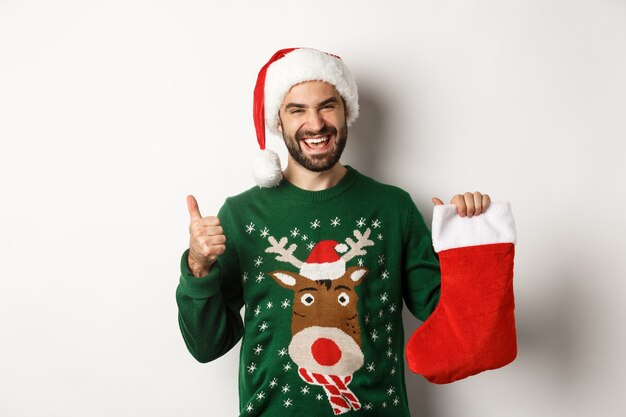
[
  {"x": 206, "y": 240},
  {"x": 468, "y": 204}
]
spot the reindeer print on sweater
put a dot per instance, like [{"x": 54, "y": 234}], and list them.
[
  {"x": 319, "y": 267},
  {"x": 326, "y": 336}
]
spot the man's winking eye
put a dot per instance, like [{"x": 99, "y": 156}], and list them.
[{"x": 328, "y": 104}]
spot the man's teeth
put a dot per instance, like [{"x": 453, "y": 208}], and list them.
[{"x": 316, "y": 140}]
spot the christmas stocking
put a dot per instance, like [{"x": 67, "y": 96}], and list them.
[{"x": 473, "y": 327}]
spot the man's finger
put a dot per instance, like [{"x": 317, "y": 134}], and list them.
[
  {"x": 459, "y": 201},
  {"x": 469, "y": 202},
  {"x": 217, "y": 240},
  {"x": 437, "y": 201},
  {"x": 478, "y": 203},
  {"x": 486, "y": 202},
  {"x": 211, "y": 221},
  {"x": 213, "y": 230},
  {"x": 194, "y": 210}
]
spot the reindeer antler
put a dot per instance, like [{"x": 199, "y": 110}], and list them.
[
  {"x": 356, "y": 248},
  {"x": 284, "y": 254}
]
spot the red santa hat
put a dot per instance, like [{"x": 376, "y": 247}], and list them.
[
  {"x": 285, "y": 69},
  {"x": 324, "y": 261}
]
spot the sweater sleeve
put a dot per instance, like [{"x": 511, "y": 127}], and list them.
[
  {"x": 421, "y": 274},
  {"x": 208, "y": 307}
]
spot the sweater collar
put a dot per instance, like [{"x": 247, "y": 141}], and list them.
[{"x": 342, "y": 186}]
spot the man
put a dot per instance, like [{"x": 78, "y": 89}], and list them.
[{"x": 321, "y": 256}]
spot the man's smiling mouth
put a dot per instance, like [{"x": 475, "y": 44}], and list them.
[{"x": 317, "y": 142}]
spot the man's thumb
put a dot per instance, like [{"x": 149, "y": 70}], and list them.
[
  {"x": 194, "y": 210},
  {"x": 437, "y": 201}
]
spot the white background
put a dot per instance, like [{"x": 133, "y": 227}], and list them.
[{"x": 112, "y": 112}]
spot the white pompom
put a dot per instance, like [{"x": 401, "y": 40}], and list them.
[
  {"x": 266, "y": 169},
  {"x": 341, "y": 248}
]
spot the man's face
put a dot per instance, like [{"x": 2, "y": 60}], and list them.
[{"x": 313, "y": 124}]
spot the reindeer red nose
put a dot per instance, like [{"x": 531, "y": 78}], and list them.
[{"x": 325, "y": 352}]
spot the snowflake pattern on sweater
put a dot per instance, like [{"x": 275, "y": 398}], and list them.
[{"x": 323, "y": 352}]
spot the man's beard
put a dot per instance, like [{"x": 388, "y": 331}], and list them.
[{"x": 317, "y": 163}]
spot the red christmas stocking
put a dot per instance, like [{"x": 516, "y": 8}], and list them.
[{"x": 473, "y": 327}]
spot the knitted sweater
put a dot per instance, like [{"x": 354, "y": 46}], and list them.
[{"x": 323, "y": 276}]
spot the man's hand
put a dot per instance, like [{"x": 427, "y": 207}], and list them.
[
  {"x": 468, "y": 204},
  {"x": 206, "y": 240}
]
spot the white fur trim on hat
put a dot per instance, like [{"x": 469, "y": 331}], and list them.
[
  {"x": 302, "y": 65},
  {"x": 496, "y": 225}
]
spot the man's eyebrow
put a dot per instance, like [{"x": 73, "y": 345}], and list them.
[
  {"x": 304, "y": 106},
  {"x": 328, "y": 101},
  {"x": 295, "y": 105}
]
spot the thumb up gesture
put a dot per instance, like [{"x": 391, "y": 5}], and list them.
[{"x": 206, "y": 240}]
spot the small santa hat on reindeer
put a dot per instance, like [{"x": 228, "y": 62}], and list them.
[
  {"x": 285, "y": 69},
  {"x": 324, "y": 262}
]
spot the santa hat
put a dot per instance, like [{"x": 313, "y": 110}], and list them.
[
  {"x": 324, "y": 261},
  {"x": 285, "y": 69}
]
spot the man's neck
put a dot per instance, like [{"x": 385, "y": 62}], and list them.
[{"x": 313, "y": 181}]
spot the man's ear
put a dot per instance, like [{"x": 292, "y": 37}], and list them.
[
  {"x": 279, "y": 125},
  {"x": 346, "y": 113}
]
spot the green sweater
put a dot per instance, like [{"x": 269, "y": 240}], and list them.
[{"x": 322, "y": 276}]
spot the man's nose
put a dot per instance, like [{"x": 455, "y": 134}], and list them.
[{"x": 314, "y": 121}]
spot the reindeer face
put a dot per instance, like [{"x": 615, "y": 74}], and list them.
[
  {"x": 326, "y": 337},
  {"x": 325, "y": 325}
]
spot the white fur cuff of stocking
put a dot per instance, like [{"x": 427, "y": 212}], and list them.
[{"x": 496, "y": 225}]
